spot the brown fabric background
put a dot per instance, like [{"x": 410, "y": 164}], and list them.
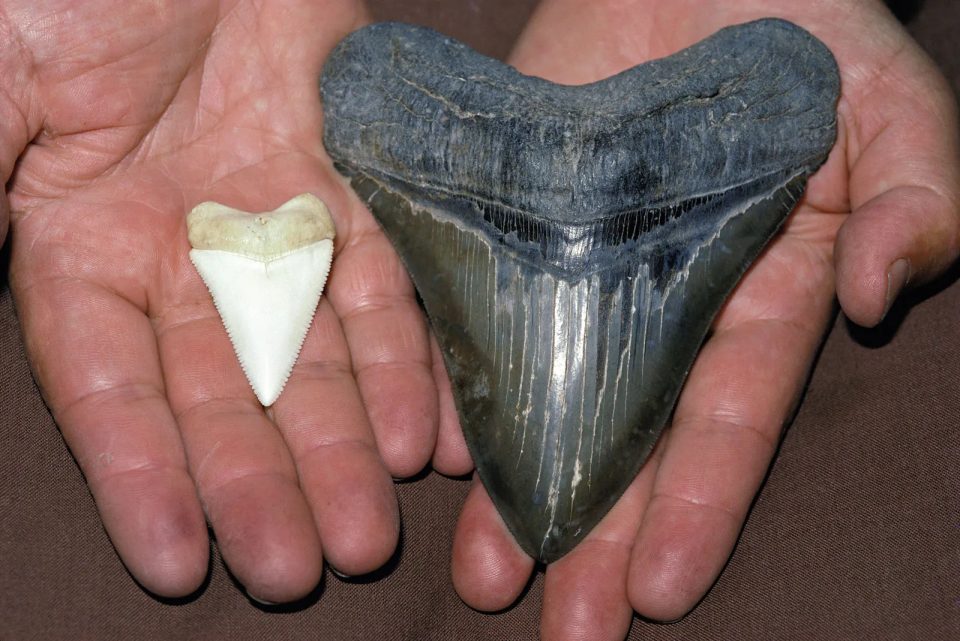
[{"x": 856, "y": 534}]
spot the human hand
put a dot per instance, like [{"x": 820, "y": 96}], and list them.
[
  {"x": 889, "y": 191},
  {"x": 135, "y": 112}
]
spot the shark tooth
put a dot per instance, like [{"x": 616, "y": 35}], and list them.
[
  {"x": 265, "y": 272},
  {"x": 571, "y": 245}
]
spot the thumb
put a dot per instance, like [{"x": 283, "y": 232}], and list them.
[{"x": 904, "y": 226}]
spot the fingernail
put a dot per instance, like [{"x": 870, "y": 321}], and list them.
[
  {"x": 261, "y": 601},
  {"x": 897, "y": 277},
  {"x": 338, "y": 572}
]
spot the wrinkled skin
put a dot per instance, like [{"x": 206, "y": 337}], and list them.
[
  {"x": 124, "y": 119},
  {"x": 124, "y": 116},
  {"x": 889, "y": 191}
]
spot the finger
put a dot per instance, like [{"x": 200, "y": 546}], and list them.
[
  {"x": 322, "y": 419},
  {"x": 904, "y": 191},
  {"x": 489, "y": 568},
  {"x": 95, "y": 357},
  {"x": 585, "y": 592},
  {"x": 389, "y": 346},
  {"x": 451, "y": 456},
  {"x": 724, "y": 433},
  {"x": 243, "y": 471}
]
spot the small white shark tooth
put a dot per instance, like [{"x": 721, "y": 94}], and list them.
[{"x": 266, "y": 272}]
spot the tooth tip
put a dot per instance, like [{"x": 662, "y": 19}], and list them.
[{"x": 267, "y": 398}]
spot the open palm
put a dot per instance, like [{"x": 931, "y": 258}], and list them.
[
  {"x": 882, "y": 211},
  {"x": 136, "y": 112}
]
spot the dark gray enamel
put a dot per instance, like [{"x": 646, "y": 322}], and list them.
[{"x": 573, "y": 244}]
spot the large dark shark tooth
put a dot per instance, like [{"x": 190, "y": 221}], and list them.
[{"x": 573, "y": 244}]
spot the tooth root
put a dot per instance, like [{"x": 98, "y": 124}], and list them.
[
  {"x": 572, "y": 244},
  {"x": 266, "y": 273}
]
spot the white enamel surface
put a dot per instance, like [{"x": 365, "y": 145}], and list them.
[{"x": 266, "y": 307}]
